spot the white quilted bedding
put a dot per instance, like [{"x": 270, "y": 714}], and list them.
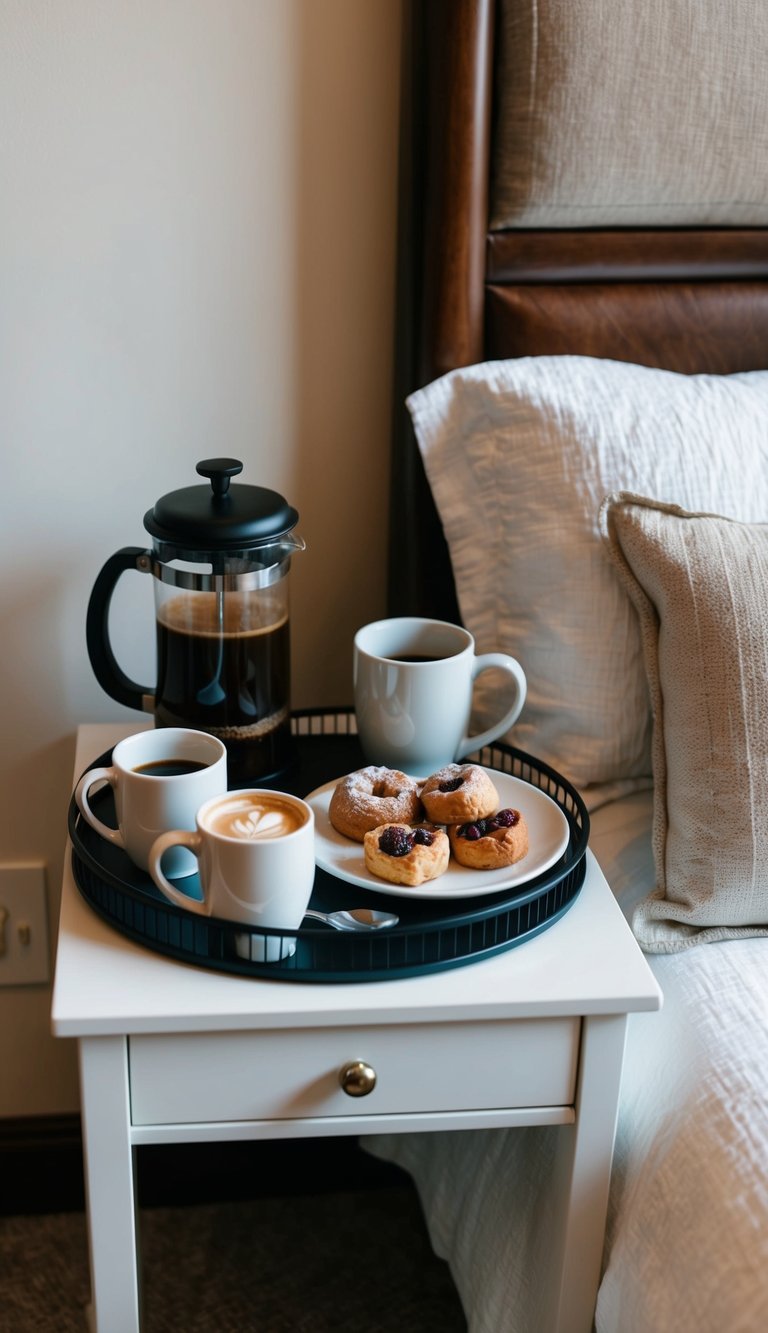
[{"x": 687, "y": 1237}]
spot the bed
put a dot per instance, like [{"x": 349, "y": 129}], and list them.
[{"x": 580, "y": 474}]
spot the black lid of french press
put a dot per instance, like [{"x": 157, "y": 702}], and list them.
[{"x": 220, "y": 517}]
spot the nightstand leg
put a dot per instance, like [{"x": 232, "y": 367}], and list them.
[
  {"x": 109, "y": 1184},
  {"x": 583, "y": 1173}
]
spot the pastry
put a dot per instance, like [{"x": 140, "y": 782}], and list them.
[
  {"x": 373, "y": 796},
  {"x": 406, "y": 855},
  {"x": 458, "y": 793},
  {"x": 492, "y": 843}
]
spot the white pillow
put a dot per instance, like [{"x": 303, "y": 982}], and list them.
[{"x": 519, "y": 455}]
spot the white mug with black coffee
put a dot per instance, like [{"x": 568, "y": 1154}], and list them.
[
  {"x": 413, "y": 680},
  {"x": 256, "y": 863},
  {"x": 160, "y": 779}
]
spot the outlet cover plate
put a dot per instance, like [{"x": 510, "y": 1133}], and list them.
[{"x": 24, "y": 957}]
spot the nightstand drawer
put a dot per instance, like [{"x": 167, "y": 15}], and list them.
[{"x": 293, "y": 1074}]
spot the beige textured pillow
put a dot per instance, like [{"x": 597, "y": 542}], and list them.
[
  {"x": 616, "y": 114},
  {"x": 700, "y": 585}
]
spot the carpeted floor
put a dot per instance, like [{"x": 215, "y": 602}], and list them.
[{"x": 357, "y": 1262}]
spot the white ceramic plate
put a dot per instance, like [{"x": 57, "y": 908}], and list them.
[{"x": 548, "y": 835}]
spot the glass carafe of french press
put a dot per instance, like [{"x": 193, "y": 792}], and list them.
[{"x": 220, "y": 559}]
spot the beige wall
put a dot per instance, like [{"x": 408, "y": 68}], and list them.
[{"x": 197, "y": 232}]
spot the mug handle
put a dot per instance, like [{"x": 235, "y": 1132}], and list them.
[
  {"x": 484, "y": 662},
  {"x": 177, "y": 838},
  {"x": 81, "y": 797}
]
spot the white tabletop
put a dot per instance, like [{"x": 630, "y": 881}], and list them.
[{"x": 588, "y": 962}]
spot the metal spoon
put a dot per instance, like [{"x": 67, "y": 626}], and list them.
[
  {"x": 212, "y": 694},
  {"x": 358, "y": 918}
]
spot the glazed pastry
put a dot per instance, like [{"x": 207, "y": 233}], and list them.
[
  {"x": 458, "y": 793},
  {"x": 490, "y": 844},
  {"x": 406, "y": 855},
  {"x": 373, "y": 796}
]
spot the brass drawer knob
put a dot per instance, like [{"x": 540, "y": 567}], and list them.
[{"x": 357, "y": 1079}]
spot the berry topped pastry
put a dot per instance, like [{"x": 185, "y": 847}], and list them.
[
  {"x": 404, "y": 854},
  {"x": 490, "y": 843}
]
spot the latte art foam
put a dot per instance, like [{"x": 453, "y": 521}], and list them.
[{"x": 254, "y": 819}]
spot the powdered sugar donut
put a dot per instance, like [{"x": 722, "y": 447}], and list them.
[
  {"x": 373, "y": 796},
  {"x": 491, "y": 843},
  {"x": 459, "y": 792}
]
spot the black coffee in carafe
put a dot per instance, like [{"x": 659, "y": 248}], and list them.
[
  {"x": 223, "y": 665},
  {"x": 220, "y": 561}
]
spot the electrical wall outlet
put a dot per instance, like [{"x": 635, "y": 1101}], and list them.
[{"x": 23, "y": 925}]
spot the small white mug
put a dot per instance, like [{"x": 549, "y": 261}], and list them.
[
  {"x": 413, "y": 681},
  {"x": 159, "y": 778},
  {"x": 256, "y": 862}
]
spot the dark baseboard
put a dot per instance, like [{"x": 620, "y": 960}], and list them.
[
  {"x": 41, "y": 1161},
  {"x": 41, "y": 1168}
]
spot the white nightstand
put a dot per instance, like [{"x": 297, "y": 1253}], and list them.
[{"x": 171, "y": 1053}]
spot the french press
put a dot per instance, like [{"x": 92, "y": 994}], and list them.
[{"x": 220, "y": 560}]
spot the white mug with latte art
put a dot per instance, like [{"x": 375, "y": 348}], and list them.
[{"x": 256, "y": 862}]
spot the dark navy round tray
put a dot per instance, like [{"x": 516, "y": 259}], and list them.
[{"x": 432, "y": 935}]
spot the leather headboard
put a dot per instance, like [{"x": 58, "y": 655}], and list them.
[{"x": 690, "y": 299}]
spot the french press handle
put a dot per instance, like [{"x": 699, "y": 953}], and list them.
[{"x": 105, "y": 667}]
